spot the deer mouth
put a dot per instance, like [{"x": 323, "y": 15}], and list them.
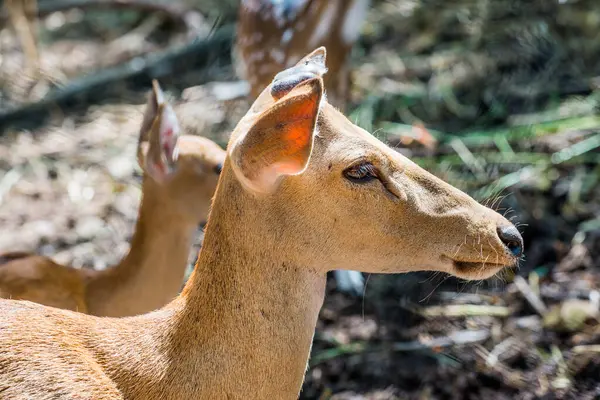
[{"x": 477, "y": 269}]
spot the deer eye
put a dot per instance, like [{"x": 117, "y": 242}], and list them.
[
  {"x": 361, "y": 173},
  {"x": 218, "y": 168}
]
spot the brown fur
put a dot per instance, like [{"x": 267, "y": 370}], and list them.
[
  {"x": 152, "y": 273},
  {"x": 243, "y": 326}
]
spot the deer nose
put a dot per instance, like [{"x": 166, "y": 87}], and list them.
[{"x": 512, "y": 239}]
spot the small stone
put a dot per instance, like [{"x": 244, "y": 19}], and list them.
[
  {"x": 121, "y": 167},
  {"x": 89, "y": 227}
]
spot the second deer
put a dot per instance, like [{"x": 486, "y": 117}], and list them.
[
  {"x": 302, "y": 191},
  {"x": 180, "y": 177}
]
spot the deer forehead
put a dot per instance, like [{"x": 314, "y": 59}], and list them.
[{"x": 348, "y": 142}]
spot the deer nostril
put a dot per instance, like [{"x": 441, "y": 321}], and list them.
[{"x": 510, "y": 236}]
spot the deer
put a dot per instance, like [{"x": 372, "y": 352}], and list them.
[
  {"x": 180, "y": 174},
  {"x": 274, "y": 35},
  {"x": 302, "y": 191}
]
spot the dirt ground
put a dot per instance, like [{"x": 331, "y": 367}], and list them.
[{"x": 509, "y": 91}]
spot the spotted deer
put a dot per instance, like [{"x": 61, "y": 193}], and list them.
[
  {"x": 180, "y": 177},
  {"x": 273, "y": 35},
  {"x": 303, "y": 191}
]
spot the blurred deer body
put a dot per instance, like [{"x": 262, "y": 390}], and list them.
[
  {"x": 302, "y": 191},
  {"x": 180, "y": 176},
  {"x": 275, "y": 34}
]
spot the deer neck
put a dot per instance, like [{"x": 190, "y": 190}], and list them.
[
  {"x": 152, "y": 273},
  {"x": 245, "y": 321}
]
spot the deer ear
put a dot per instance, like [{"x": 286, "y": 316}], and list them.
[
  {"x": 155, "y": 98},
  {"x": 280, "y": 142},
  {"x": 158, "y": 136}
]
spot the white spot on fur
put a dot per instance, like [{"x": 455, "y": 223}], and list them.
[
  {"x": 251, "y": 6},
  {"x": 323, "y": 28},
  {"x": 288, "y": 34},
  {"x": 240, "y": 65},
  {"x": 256, "y": 37},
  {"x": 277, "y": 55},
  {"x": 353, "y": 20},
  {"x": 256, "y": 56},
  {"x": 279, "y": 10}
]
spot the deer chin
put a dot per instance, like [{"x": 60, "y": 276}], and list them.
[{"x": 475, "y": 270}]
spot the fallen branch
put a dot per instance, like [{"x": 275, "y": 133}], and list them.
[
  {"x": 509, "y": 376},
  {"x": 464, "y": 310},
  {"x": 139, "y": 71},
  {"x": 586, "y": 349},
  {"x": 532, "y": 297},
  {"x": 172, "y": 10}
]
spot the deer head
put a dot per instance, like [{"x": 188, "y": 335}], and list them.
[
  {"x": 186, "y": 168},
  {"x": 346, "y": 199}
]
